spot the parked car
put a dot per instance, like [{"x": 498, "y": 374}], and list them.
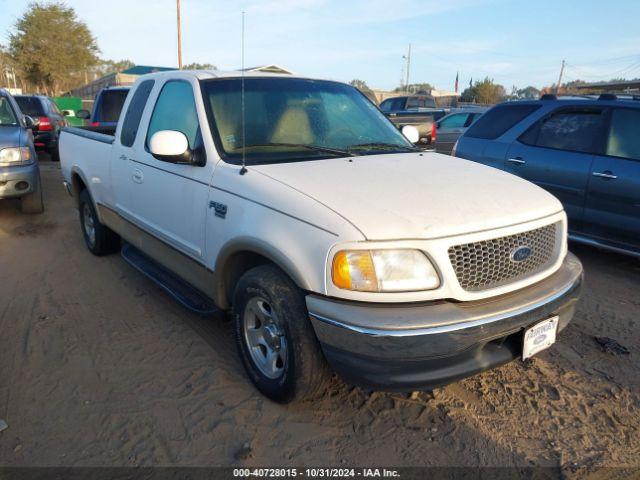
[
  {"x": 450, "y": 127},
  {"x": 49, "y": 121},
  {"x": 419, "y": 111},
  {"x": 329, "y": 236},
  {"x": 584, "y": 151},
  {"x": 19, "y": 172},
  {"x": 106, "y": 107}
]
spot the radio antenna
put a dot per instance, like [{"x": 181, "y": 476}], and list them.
[{"x": 243, "y": 170}]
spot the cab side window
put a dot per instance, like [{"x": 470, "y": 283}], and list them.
[
  {"x": 454, "y": 121},
  {"x": 175, "y": 109},
  {"x": 574, "y": 130}
]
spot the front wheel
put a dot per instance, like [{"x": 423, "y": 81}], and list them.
[{"x": 275, "y": 339}]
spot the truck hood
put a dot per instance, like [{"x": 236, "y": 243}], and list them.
[
  {"x": 412, "y": 195},
  {"x": 10, "y": 137}
]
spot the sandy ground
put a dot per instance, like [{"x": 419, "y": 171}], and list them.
[{"x": 100, "y": 367}]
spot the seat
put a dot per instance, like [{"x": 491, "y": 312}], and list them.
[{"x": 293, "y": 127}]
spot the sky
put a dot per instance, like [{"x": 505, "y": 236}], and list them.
[{"x": 517, "y": 42}]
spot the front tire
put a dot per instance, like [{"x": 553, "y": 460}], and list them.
[
  {"x": 275, "y": 339},
  {"x": 100, "y": 239}
]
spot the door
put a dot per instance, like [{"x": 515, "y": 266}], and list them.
[
  {"x": 612, "y": 211},
  {"x": 556, "y": 153},
  {"x": 449, "y": 129},
  {"x": 124, "y": 150},
  {"x": 170, "y": 200}
]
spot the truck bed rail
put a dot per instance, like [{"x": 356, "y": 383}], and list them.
[{"x": 99, "y": 134}]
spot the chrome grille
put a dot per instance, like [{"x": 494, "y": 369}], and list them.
[{"x": 489, "y": 263}]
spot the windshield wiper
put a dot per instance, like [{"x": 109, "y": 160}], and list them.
[
  {"x": 316, "y": 148},
  {"x": 382, "y": 146}
]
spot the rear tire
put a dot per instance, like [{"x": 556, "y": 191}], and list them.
[
  {"x": 100, "y": 239},
  {"x": 32, "y": 202},
  {"x": 272, "y": 322}
]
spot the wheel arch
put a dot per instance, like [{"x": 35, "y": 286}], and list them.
[
  {"x": 241, "y": 255},
  {"x": 78, "y": 184}
]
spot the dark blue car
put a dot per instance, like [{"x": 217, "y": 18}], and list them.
[{"x": 586, "y": 151}]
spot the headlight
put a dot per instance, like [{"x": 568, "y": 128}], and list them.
[
  {"x": 384, "y": 271},
  {"x": 15, "y": 155}
]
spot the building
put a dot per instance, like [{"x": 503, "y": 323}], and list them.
[
  {"x": 268, "y": 69},
  {"x": 117, "y": 79},
  {"x": 627, "y": 86}
]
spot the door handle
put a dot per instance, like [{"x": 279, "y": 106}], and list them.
[
  {"x": 606, "y": 175},
  {"x": 137, "y": 176},
  {"x": 517, "y": 161}
]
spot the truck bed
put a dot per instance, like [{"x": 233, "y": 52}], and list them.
[{"x": 101, "y": 134}]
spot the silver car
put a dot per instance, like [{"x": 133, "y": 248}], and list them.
[
  {"x": 19, "y": 172},
  {"x": 449, "y": 128}
]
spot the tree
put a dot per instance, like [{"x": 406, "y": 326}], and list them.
[
  {"x": 200, "y": 66},
  {"x": 359, "y": 84},
  {"x": 69, "y": 49},
  {"x": 528, "y": 93},
  {"x": 485, "y": 91}
]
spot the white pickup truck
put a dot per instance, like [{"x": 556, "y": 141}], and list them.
[{"x": 295, "y": 204}]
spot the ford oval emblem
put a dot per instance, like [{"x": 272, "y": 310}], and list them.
[
  {"x": 539, "y": 339},
  {"x": 521, "y": 253}
]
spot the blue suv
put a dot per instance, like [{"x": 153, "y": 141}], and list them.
[{"x": 585, "y": 151}]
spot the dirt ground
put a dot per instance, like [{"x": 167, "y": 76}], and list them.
[{"x": 99, "y": 367}]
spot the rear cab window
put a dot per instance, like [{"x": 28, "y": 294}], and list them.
[{"x": 498, "y": 120}]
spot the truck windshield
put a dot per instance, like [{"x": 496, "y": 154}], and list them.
[
  {"x": 293, "y": 119},
  {"x": 7, "y": 115}
]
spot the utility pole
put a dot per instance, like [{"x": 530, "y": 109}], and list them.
[
  {"x": 560, "y": 78},
  {"x": 408, "y": 57},
  {"x": 179, "y": 35}
]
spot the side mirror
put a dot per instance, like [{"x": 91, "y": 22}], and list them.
[
  {"x": 83, "y": 114},
  {"x": 411, "y": 133},
  {"x": 438, "y": 125},
  {"x": 31, "y": 123},
  {"x": 170, "y": 146}
]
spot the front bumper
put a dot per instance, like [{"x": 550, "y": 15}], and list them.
[
  {"x": 414, "y": 347},
  {"x": 13, "y": 179}
]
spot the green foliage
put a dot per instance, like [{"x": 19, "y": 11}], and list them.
[
  {"x": 199, "y": 66},
  {"x": 49, "y": 45},
  {"x": 526, "y": 93},
  {"x": 485, "y": 91},
  {"x": 360, "y": 85}
]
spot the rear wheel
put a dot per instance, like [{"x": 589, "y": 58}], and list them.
[
  {"x": 32, "y": 202},
  {"x": 275, "y": 338},
  {"x": 100, "y": 239}
]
